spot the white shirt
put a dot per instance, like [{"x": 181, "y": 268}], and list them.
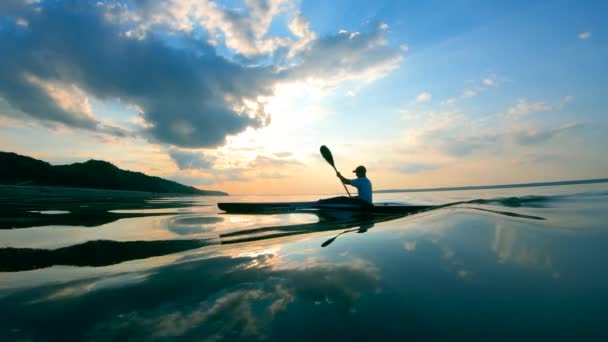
[{"x": 364, "y": 188}]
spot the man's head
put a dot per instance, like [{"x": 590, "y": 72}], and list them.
[{"x": 360, "y": 171}]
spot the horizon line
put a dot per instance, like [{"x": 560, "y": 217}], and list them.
[{"x": 499, "y": 186}]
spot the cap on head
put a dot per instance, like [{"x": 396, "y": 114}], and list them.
[{"x": 360, "y": 169}]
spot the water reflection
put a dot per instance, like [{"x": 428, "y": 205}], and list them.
[
  {"x": 455, "y": 274},
  {"x": 221, "y": 298},
  {"x": 441, "y": 274}
]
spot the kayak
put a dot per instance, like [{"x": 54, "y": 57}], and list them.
[{"x": 332, "y": 204}]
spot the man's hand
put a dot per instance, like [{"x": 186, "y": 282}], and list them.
[{"x": 342, "y": 179}]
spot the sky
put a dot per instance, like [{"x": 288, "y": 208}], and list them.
[{"x": 238, "y": 96}]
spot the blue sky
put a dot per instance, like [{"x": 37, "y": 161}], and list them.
[{"x": 238, "y": 96}]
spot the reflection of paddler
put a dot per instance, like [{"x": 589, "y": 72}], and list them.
[
  {"x": 365, "y": 226},
  {"x": 362, "y": 229}
]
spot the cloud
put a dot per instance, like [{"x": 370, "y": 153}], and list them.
[
  {"x": 424, "y": 97},
  {"x": 524, "y": 107},
  {"x": 536, "y": 158},
  {"x": 274, "y": 166},
  {"x": 189, "y": 98},
  {"x": 410, "y": 168},
  {"x": 154, "y": 56},
  {"x": 299, "y": 26},
  {"x": 262, "y": 162},
  {"x": 283, "y": 154},
  {"x": 460, "y": 146},
  {"x": 469, "y": 93},
  {"x": 404, "y": 47},
  {"x": 449, "y": 101},
  {"x": 538, "y": 136},
  {"x": 473, "y": 89},
  {"x": 242, "y": 31},
  {"x": 191, "y": 160},
  {"x": 333, "y": 59},
  {"x": 584, "y": 35}
]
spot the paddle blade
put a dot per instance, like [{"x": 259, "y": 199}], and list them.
[
  {"x": 326, "y": 243},
  {"x": 326, "y": 153}
]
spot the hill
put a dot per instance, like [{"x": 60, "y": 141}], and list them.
[{"x": 96, "y": 174}]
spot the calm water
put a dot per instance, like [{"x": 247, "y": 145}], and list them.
[{"x": 522, "y": 263}]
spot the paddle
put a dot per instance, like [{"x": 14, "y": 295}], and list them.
[
  {"x": 326, "y": 243},
  {"x": 326, "y": 153}
]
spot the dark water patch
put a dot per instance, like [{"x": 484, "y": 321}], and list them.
[
  {"x": 84, "y": 218},
  {"x": 515, "y": 202},
  {"x": 508, "y": 213},
  {"x": 91, "y": 253}
]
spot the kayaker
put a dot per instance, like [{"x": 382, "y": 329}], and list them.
[{"x": 362, "y": 183}]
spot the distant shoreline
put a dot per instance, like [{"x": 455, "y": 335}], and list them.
[
  {"x": 499, "y": 186},
  {"x": 44, "y": 191}
]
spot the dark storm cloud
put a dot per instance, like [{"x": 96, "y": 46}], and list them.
[{"x": 190, "y": 98}]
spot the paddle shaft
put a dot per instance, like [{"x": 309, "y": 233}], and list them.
[{"x": 345, "y": 188}]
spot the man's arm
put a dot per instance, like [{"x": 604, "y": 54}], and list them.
[{"x": 344, "y": 180}]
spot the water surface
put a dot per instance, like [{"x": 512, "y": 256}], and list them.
[{"x": 511, "y": 263}]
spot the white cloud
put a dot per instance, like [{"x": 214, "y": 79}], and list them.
[
  {"x": 535, "y": 136},
  {"x": 299, "y": 26},
  {"x": 584, "y": 35},
  {"x": 70, "y": 98},
  {"x": 489, "y": 82},
  {"x": 243, "y": 31},
  {"x": 383, "y": 26},
  {"x": 407, "y": 115},
  {"x": 449, "y": 101},
  {"x": 473, "y": 89},
  {"x": 468, "y": 93},
  {"x": 524, "y": 107},
  {"x": 404, "y": 47},
  {"x": 22, "y": 22},
  {"x": 424, "y": 97},
  {"x": 330, "y": 60}
]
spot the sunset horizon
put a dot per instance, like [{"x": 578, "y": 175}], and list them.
[{"x": 239, "y": 96}]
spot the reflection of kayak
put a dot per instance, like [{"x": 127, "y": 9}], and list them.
[{"x": 332, "y": 204}]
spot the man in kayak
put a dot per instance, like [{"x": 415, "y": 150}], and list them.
[{"x": 362, "y": 183}]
